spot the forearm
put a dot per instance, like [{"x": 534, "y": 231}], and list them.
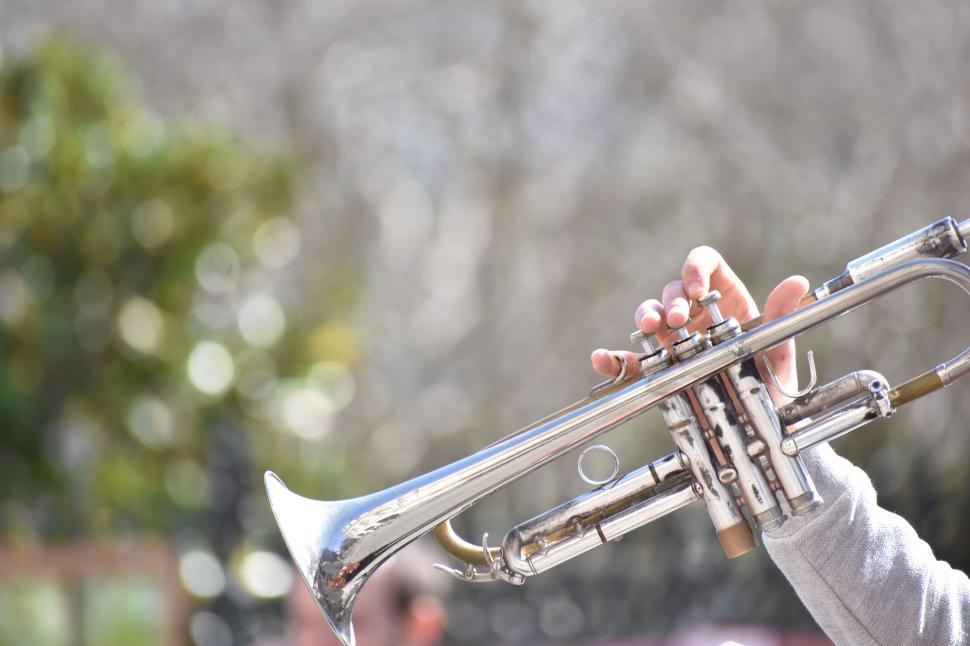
[{"x": 862, "y": 571}]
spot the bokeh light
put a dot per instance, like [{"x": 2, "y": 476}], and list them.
[
  {"x": 277, "y": 242},
  {"x": 217, "y": 268},
  {"x": 305, "y": 412},
  {"x": 261, "y": 320},
  {"x": 335, "y": 381},
  {"x": 151, "y": 422},
  {"x": 209, "y": 629},
  {"x": 210, "y": 368},
  {"x": 202, "y": 574},
  {"x": 153, "y": 223},
  {"x": 141, "y": 325},
  {"x": 265, "y": 574}
]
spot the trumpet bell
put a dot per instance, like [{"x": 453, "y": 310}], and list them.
[{"x": 314, "y": 534}]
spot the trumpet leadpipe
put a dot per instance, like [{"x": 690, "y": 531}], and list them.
[
  {"x": 945, "y": 238},
  {"x": 942, "y": 239}
]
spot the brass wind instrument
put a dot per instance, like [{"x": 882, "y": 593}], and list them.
[{"x": 734, "y": 451}]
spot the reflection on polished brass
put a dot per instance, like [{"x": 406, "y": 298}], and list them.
[{"x": 460, "y": 548}]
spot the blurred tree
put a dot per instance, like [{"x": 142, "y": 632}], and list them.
[{"x": 137, "y": 312}]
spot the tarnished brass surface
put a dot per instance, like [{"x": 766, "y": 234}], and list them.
[{"x": 915, "y": 388}]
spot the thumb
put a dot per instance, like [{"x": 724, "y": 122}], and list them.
[{"x": 784, "y": 299}]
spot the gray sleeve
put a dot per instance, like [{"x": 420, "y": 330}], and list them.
[{"x": 862, "y": 571}]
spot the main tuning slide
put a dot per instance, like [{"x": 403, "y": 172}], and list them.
[{"x": 734, "y": 450}]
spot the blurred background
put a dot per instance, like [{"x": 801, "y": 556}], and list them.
[{"x": 353, "y": 241}]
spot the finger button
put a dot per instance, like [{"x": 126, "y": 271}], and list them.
[
  {"x": 683, "y": 332},
  {"x": 709, "y": 301},
  {"x": 721, "y": 329},
  {"x": 647, "y": 341}
]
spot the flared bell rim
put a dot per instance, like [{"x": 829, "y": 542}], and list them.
[{"x": 305, "y": 542}]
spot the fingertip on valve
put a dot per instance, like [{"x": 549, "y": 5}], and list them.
[
  {"x": 648, "y": 316},
  {"x": 603, "y": 363}
]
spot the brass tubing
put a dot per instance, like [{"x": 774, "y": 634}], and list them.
[
  {"x": 807, "y": 299},
  {"x": 460, "y": 548},
  {"x": 338, "y": 544},
  {"x": 915, "y": 388},
  {"x": 828, "y": 397}
]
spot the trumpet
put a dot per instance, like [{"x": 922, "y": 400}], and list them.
[{"x": 734, "y": 449}]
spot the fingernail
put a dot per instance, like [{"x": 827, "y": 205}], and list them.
[
  {"x": 677, "y": 313},
  {"x": 654, "y": 317}
]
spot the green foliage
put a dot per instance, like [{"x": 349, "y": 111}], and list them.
[
  {"x": 33, "y": 612},
  {"x": 110, "y": 218}
]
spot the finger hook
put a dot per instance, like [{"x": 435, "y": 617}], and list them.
[{"x": 812, "y": 378}]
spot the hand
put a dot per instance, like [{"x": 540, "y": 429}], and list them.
[{"x": 704, "y": 270}]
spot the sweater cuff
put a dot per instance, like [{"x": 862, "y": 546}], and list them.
[{"x": 833, "y": 476}]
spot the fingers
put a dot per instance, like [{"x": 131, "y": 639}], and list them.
[
  {"x": 649, "y": 317},
  {"x": 784, "y": 299},
  {"x": 606, "y": 363},
  {"x": 705, "y": 269},
  {"x": 701, "y": 263},
  {"x": 676, "y": 306}
]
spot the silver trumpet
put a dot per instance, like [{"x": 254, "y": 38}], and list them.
[{"x": 735, "y": 450}]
